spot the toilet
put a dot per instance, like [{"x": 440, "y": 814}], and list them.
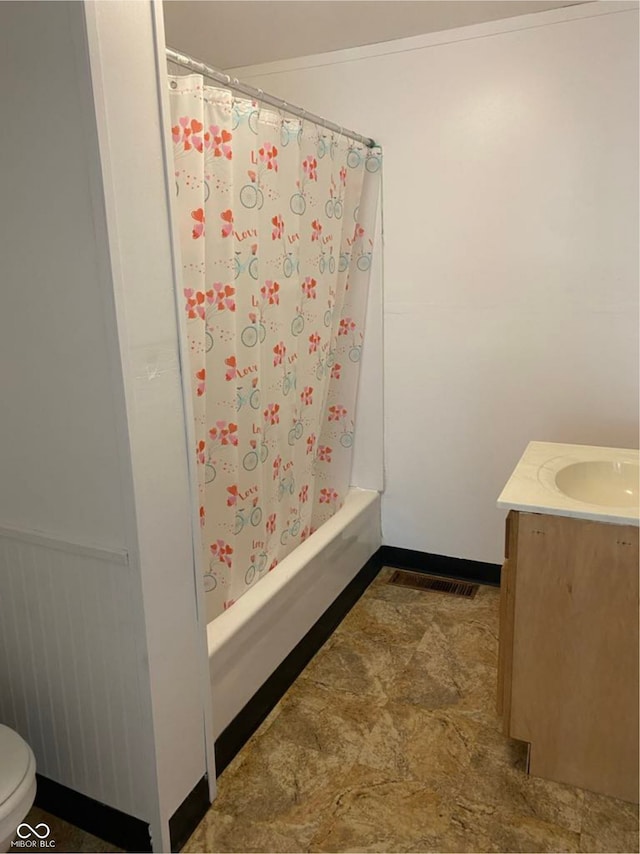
[{"x": 17, "y": 784}]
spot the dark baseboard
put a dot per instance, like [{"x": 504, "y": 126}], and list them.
[
  {"x": 247, "y": 721},
  {"x": 118, "y": 828},
  {"x": 448, "y": 567},
  {"x": 189, "y": 814}
]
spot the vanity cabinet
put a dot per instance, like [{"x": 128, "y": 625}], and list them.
[{"x": 568, "y": 652}]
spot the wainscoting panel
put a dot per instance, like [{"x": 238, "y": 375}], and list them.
[{"x": 69, "y": 666}]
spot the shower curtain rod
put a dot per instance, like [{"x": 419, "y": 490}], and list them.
[{"x": 258, "y": 95}]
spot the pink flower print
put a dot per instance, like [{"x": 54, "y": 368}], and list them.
[
  {"x": 190, "y": 303},
  {"x": 274, "y": 563},
  {"x": 223, "y": 296},
  {"x": 227, "y": 218},
  {"x": 328, "y": 496},
  {"x": 337, "y": 412},
  {"x": 269, "y": 292},
  {"x": 316, "y": 230},
  {"x": 343, "y": 176},
  {"x": 228, "y": 603},
  {"x": 198, "y": 228},
  {"x": 222, "y": 551},
  {"x": 219, "y": 141},
  {"x": 202, "y": 516},
  {"x": 306, "y": 395},
  {"x": 314, "y": 340},
  {"x": 200, "y": 376},
  {"x": 225, "y": 433},
  {"x": 229, "y": 435},
  {"x": 311, "y": 441},
  {"x": 196, "y": 140},
  {"x": 188, "y": 131},
  {"x": 271, "y": 413},
  {"x": 232, "y": 498},
  {"x": 303, "y": 495},
  {"x": 278, "y": 227},
  {"x": 271, "y": 523},
  {"x": 200, "y": 451},
  {"x": 232, "y": 368},
  {"x": 309, "y": 287},
  {"x": 335, "y": 371},
  {"x": 346, "y": 325},
  {"x": 304, "y": 534},
  {"x": 268, "y": 154},
  {"x": 184, "y": 123},
  {"x": 310, "y": 165},
  {"x": 280, "y": 351},
  {"x": 276, "y": 466},
  {"x": 195, "y": 303},
  {"x": 324, "y": 453},
  {"x": 358, "y": 231}
]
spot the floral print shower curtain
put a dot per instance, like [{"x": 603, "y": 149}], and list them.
[{"x": 275, "y": 219}]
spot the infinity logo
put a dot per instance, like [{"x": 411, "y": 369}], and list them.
[{"x": 33, "y": 830}]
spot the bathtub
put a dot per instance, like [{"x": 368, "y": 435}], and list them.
[{"x": 247, "y": 642}]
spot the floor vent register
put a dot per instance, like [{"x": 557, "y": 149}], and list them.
[{"x": 420, "y": 581}]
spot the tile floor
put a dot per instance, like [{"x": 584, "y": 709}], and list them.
[{"x": 389, "y": 742}]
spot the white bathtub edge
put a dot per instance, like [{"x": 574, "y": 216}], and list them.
[{"x": 252, "y": 638}]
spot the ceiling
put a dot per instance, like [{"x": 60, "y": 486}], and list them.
[{"x": 244, "y": 32}]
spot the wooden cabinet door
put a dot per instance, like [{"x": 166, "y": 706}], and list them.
[{"x": 574, "y": 671}]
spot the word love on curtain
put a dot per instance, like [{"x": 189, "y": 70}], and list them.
[{"x": 275, "y": 220}]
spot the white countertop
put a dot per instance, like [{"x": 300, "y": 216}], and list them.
[{"x": 532, "y": 486}]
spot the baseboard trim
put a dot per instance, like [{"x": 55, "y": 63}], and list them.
[
  {"x": 107, "y": 823},
  {"x": 449, "y": 567},
  {"x": 189, "y": 814},
  {"x": 249, "y": 718}
]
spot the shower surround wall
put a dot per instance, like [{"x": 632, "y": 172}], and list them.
[{"x": 511, "y": 256}]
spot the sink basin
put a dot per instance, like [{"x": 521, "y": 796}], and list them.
[
  {"x": 609, "y": 483},
  {"x": 580, "y": 481}
]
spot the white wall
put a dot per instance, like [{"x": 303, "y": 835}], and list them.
[
  {"x": 59, "y": 474},
  {"x": 103, "y": 664},
  {"x": 511, "y": 250}
]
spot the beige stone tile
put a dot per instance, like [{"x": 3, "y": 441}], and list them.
[
  {"x": 430, "y": 678},
  {"x": 411, "y": 743},
  {"x": 386, "y": 622},
  {"x": 358, "y": 664},
  {"x": 609, "y": 825},
  {"x": 371, "y": 812},
  {"x": 280, "y": 783},
  {"x": 335, "y": 723},
  {"x": 67, "y": 837},
  {"x": 227, "y": 834},
  {"x": 504, "y": 832}
]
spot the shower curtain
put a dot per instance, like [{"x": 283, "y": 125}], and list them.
[{"x": 275, "y": 219}]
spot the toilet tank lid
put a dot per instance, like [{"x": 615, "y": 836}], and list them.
[{"x": 16, "y": 760}]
